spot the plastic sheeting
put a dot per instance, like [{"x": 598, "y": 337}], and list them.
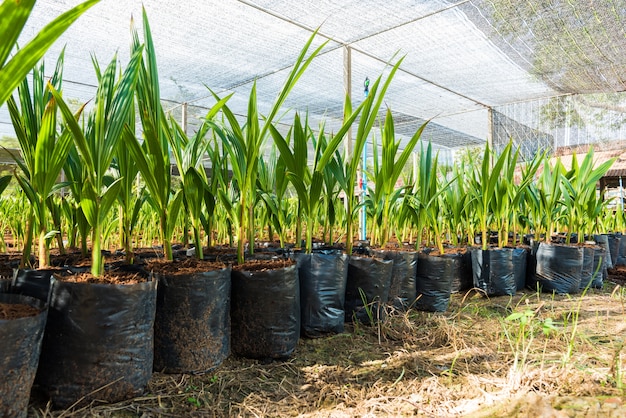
[
  {"x": 600, "y": 272},
  {"x": 614, "y": 243},
  {"x": 402, "y": 290},
  {"x": 98, "y": 342},
  {"x": 603, "y": 241},
  {"x": 323, "y": 278},
  {"x": 192, "y": 323},
  {"x": 265, "y": 313},
  {"x": 19, "y": 355},
  {"x": 498, "y": 271},
  {"x": 587, "y": 272},
  {"x": 621, "y": 257},
  {"x": 367, "y": 289},
  {"x": 435, "y": 275},
  {"x": 559, "y": 268},
  {"x": 34, "y": 283}
]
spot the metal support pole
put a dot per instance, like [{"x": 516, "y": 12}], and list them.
[
  {"x": 347, "y": 87},
  {"x": 490, "y": 132},
  {"x": 183, "y": 117},
  {"x": 363, "y": 235}
]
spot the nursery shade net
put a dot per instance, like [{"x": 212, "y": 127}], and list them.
[{"x": 477, "y": 69}]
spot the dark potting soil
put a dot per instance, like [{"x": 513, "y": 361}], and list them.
[
  {"x": 71, "y": 258},
  {"x": 618, "y": 275},
  {"x": 186, "y": 266},
  {"x": 114, "y": 277},
  {"x": 10, "y": 311},
  {"x": 8, "y": 262},
  {"x": 264, "y": 265}
]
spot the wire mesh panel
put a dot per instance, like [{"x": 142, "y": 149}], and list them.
[{"x": 565, "y": 121}]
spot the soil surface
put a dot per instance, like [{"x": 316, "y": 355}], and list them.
[
  {"x": 186, "y": 266},
  {"x": 264, "y": 265},
  {"x": 530, "y": 355},
  {"x": 10, "y": 311},
  {"x": 111, "y": 277}
]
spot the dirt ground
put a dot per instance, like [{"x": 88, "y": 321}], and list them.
[{"x": 532, "y": 355}]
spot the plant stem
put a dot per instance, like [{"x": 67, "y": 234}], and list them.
[{"x": 43, "y": 249}]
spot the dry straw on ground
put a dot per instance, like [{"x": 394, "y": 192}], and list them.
[{"x": 557, "y": 356}]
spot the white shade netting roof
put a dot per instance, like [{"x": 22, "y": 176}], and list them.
[{"x": 479, "y": 69}]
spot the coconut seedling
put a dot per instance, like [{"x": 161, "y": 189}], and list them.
[
  {"x": 97, "y": 145},
  {"x": 517, "y": 196},
  {"x": 331, "y": 206},
  {"x": 131, "y": 195},
  {"x": 424, "y": 199},
  {"x": 578, "y": 188},
  {"x": 386, "y": 173},
  {"x": 153, "y": 155},
  {"x": 44, "y": 151},
  {"x": 457, "y": 203},
  {"x": 188, "y": 154},
  {"x": 307, "y": 181},
  {"x": 547, "y": 198},
  {"x": 367, "y": 111},
  {"x": 272, "y": 184},
  {"x": 489, "y": 204},
  {"x": 245, "y": 142}
]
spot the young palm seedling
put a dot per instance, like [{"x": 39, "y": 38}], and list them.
[
  {"x": 188, "y": 153},
  {"x": 97, "y": 145},
  {"x": 246, "y": 142},
  {"x": 578, "y": 188},
  {"x": 44, "y": 151},
  {"x": 153, "y": 155},
  {"x": 368, "y": 112},
  {"x": 387, "y": 171}
]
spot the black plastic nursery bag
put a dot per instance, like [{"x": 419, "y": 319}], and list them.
[
  {"x": 265, "y": 313},
  {"x": 559, "y": 268},
  {"x": 20, "y": 345},
  {"x": 402, "y": 291},
  {"x": 621, "y": 253},
  {"x": 614, "y": 244},
  {"x": 323, "y": 277},
  {"x": 603, "y": 241},
  {"x": 192, "y": 324},
  {"x": 499, "y": 271},
  {"x": 368, "y": 288},
  {"x": 34, "y": 283},
  {"x": 586, "y": 275},
  {"x": 600, "y": 272},
  {"x": 98, "y": 342},
  {"x": 435, "y": 275}
]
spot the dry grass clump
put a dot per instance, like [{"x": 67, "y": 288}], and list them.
[{"x": 476, "y": 360}]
